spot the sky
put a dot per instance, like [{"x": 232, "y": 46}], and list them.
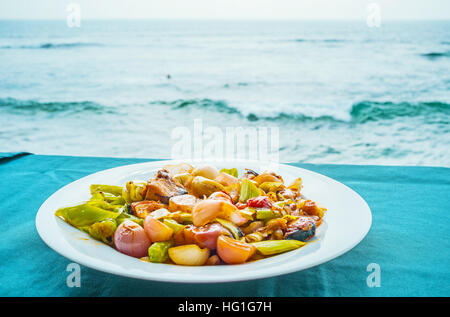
[{"x": 226, "y": 9}]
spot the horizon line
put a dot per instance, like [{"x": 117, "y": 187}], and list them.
[{"x": 229, "y": 19}]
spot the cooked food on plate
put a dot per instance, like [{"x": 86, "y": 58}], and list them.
[{"x": 199, "y": 216}]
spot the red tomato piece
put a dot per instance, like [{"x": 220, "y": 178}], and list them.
[
  {"x": 205, "y": 236},
  {"x": 259, "y": 202}
]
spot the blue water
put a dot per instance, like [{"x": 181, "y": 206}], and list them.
[{"x": 340, "y": 92}]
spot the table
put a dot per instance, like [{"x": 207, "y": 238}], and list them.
[{"x": 409, "y": 238}]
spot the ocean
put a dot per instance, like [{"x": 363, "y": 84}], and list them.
[{"x": 339, "y": 92}]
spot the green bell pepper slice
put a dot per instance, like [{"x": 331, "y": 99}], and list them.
[{"x": 85, "y": 215}]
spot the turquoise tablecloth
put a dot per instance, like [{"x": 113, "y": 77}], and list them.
[{"x": 409, "y": 237}]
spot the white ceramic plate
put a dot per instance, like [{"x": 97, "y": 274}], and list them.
[{"x": 347, "y": 221}]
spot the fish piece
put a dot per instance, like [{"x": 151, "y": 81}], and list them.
[{"x": 163, "y": 187}]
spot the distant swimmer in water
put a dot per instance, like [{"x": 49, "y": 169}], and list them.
[{"x": 168, "y": 76}]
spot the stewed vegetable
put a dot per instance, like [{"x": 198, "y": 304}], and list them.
[
  {"x": 199, "y": 216},
  {"x": 131, "y": 239}
]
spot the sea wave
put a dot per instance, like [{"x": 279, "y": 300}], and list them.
[
  {"x": 434, "y": 55},
  {"x": 216, "y": 105},
  {"x": 320, "y": 40},
  {"x": 367, "y": 111},
  {"x": 375, "y": 111},
  {"x": 32, "y": 106},
  {"x": 361, "y": 112},
  {"x": 52, "y": 45}
]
